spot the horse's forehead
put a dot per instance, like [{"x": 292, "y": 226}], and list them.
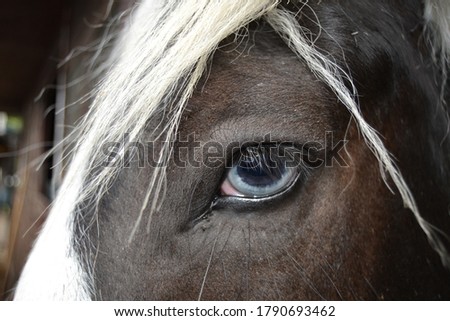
[{"x": 257, "y": 85}]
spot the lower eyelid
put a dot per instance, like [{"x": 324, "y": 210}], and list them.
[{"x": 248, "y": 204}]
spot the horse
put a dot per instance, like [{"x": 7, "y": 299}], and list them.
[{"x": 259, "y": 150}]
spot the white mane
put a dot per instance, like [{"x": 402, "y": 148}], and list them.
[
  {"x": 139, "y": 84},
  {"x": 437, "y": 17}
]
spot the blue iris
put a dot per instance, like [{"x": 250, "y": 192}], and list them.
[{"x": 258, "y": 173}]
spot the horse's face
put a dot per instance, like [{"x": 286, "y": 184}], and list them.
[{"x": 337, "y": 231}]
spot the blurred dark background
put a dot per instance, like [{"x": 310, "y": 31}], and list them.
[{"x": 40, "y": 102}]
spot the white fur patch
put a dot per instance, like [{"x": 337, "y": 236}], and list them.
[{"x": 52, "y": 271}]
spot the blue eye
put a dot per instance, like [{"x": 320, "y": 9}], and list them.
[{"x": 260, "y": 172}]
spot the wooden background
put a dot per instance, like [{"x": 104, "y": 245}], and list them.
[{"x": 40, "y": 94}]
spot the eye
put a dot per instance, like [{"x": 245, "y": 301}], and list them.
[{"x": 262, "y": 171}]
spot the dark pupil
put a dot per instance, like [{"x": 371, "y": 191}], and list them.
[{"x": 255, "y": 171}]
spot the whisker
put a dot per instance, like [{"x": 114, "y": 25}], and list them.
[
  {"x": 207, "y": 269},
  {"x": 303, "y": 275}
]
